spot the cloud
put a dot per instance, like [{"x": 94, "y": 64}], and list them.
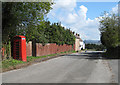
[
  {"x": 115, "y": 9},
  {"x": 68, "y": 5},
  {"x": 82, "y": 12},
  {"x": 75, "y": 20},
  {"x": 97, "y": 0}
]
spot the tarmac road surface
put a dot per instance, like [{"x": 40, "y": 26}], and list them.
[{"x": 85, "y": 67}]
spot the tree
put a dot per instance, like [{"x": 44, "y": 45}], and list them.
[
  {"x": 60, "y": 35},
  {"x": 22, "y": 18},
  {"x": 95, "y": 47},
  {"x": 109, "y": 30}
]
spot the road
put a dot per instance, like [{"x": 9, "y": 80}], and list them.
[{"x": 82, "y": 67}]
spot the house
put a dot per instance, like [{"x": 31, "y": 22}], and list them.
[
  {"x": 82, "y": 45},
  {"x": 79, "y": 44}
]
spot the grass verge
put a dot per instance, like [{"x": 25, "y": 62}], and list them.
[{"x": 11, "y": 64}]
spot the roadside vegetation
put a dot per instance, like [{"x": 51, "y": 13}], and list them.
[
  {"x": 95, "y": 47},
  {"x": 10, "y": 64},
  {"x": 29, "y": 19},
  {"x": 110, "y": 34}
]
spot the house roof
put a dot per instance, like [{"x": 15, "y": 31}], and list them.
[
  {"x": 81, "y": 39},
  {"x": 78, "y": 37}
]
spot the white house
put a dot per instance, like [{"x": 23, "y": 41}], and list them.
[
  {"x": 82, "y": 45},
  {"x": 79, "y": 44}
]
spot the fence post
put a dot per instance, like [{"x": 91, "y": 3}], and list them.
[{"x": 9, "y": 47}]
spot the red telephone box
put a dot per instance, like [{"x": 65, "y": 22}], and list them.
[{"x": 19, "y": 47}]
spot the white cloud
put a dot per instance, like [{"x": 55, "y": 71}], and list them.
[
  {"x": 76, "y": 20},
  {"x": 82, "y": 12},
  {"x": 97, "y": 0},
  {"x": 66, "y": 4},
  {"x": 115, "y": 9},
  {"x": 70, "y": 18}
]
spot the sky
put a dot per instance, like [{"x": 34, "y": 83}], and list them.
[{"x": 81, "y": 17}]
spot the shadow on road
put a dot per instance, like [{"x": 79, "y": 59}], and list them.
[{"x": 90, "y": 55}]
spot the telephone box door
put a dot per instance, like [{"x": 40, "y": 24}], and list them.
[{"x": 19, "y": 48}]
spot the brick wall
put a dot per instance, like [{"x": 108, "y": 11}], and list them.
[
  {"x": 29, "y": 48},
  {"x": 51, "y": 49}
]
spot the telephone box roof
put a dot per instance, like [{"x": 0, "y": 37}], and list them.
[{"x": 20, "y": 36}]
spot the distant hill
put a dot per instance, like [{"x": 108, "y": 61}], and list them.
[{"x": 98, "y": 42}]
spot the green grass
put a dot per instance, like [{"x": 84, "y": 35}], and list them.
[
  {"x": 30, "y": 58},
  {"x": 12, "y": 62},
  {"x": 91, "y": 49},
  {"x": 52, "y": 55}
]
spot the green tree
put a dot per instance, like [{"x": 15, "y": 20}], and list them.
[
  {"x": 95, "y": 47},
  {"x": 22, "y": 18},
  {"x": 109, "y": 30}
]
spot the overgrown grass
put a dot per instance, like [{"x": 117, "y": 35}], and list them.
[
  {"x": 30, "y": 58},
  {"x": 111, "y": 55},
  {"x": 12, "y": 62},
  {"x": 91, "y": 49}
]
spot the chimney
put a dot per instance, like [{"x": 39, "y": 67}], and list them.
[{"x": 73, "y": 33}]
